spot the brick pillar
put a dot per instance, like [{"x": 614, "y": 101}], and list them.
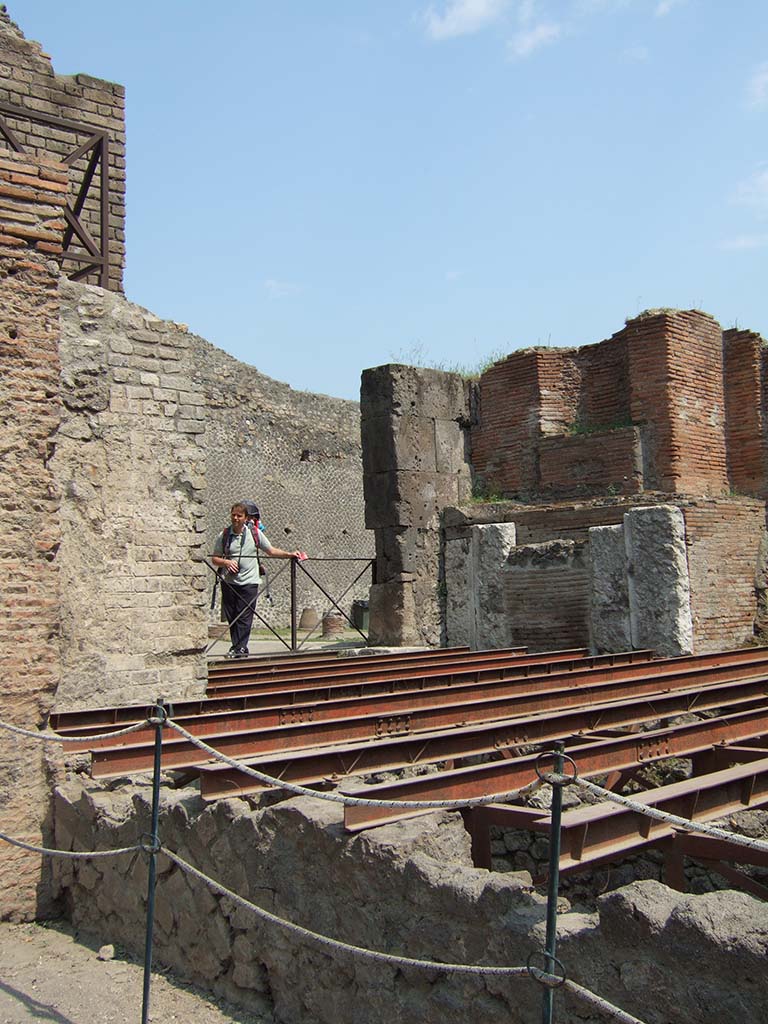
[
  {"x": 31, "y": 198},
  {"x": 677, "y": 397},
  {"x": 745, "y": 412}
]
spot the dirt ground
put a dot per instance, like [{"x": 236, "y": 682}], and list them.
[{"x": 48, "y": 975}]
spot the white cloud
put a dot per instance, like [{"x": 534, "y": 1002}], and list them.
[
  {"x": 279, "y": 289},
  {"x": 742, "y": 242},
  {"x": 663, "y": 7},
  {"x": 753, "y": 191},
  {"x": 637, "y": 53},
  {"x": 524, "y": 43},
  {"x": 757, "y": 88},
  {"x": 462, "y": 17}
]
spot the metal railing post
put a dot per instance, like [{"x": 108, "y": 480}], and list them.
[
  {"x": 160, "y": 715},
  {"x": 550, "y": 947},
  {"x": 294, "y": 643}
]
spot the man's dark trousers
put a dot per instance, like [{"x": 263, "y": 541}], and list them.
[{"x": 238, "y": 603}]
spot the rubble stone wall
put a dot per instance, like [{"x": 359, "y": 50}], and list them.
[
  {"x": 27, "y": 80},
  {"x": 31, "y": 199},
  {"x": 409, "y": 889}
]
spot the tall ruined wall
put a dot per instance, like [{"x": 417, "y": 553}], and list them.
[
  {"x": 295, "y": 453},
  {"x": 30, "y": 533},
  {"x": 414, "y": 426},
  {"x": 408, "y": 889},
  {"x": 130, "y": 466},
  {"x": 27, "y": 80}
]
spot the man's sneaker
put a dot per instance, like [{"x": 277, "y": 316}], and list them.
[
  {"x": 232, "y": 653},
  {"x": 242, "y": 652}
]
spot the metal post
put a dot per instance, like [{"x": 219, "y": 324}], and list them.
[
  {"x": 294, "y": 642},
  {"x": 550, "y": 947},
  {"x": 155, "y": 842}
]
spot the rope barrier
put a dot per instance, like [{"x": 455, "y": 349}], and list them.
[
  {"x": 353, "y": 801},
  {"x": 345, "y": 798},
  {"x": 50, "y": 737},
  {"x": 72, "y": 854},
  {"x": 401, "y": 961}
]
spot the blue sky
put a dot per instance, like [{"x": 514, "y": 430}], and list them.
[{"x": 318, "y": 187}]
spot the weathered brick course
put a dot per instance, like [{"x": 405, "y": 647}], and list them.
[
  {"x": 27, "y": 80},
  {"x": 30, "y": 413}
]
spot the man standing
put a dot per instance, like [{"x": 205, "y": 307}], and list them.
[{"x": 236, "y": 553}]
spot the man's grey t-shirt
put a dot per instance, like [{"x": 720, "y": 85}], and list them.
[{"x": 244, "y": 553}]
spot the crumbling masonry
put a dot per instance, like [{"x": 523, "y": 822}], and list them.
[{"x": 576, "y": 448}]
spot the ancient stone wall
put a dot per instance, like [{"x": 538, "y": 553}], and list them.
[
  {"x": 31, "y": 199},
  {"x": 407, "y": 889},
  {"x": 297, "y": 454},
  {"x": 672, "y": 578},
  {"x": 414, "y": 425},
  {"x": 668, "y": 408},
  {"x": 27, "y": 80},
  {"x": 130, "y": 466}
]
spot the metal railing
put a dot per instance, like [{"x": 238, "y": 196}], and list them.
[
  {"x": 96, "y": 147},
  {"x": 295, "y": 567}
]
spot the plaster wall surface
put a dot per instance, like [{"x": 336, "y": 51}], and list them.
[{"x": 27, "y": 80}]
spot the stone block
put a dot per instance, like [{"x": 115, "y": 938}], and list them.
[
  {"x": 407, "y": 499},
  {"x": 491, "y": 546},
  {"x": 658, "y": 581},
  {"x": 393, "y": 442},
  {"x": 404, "y": 551},
  {"x": 609, "y": 594},
  {"x": 476, "y": 612},
  {"x": 459, "y": 606},
  {"x": 393, "y": 614},
  {"x": 407, "y": 389}
]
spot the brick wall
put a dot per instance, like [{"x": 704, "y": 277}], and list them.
[
  {"x": 724, "y": 539},
  {"x": 550, "y": 422},
  {"x": 31, "y": 198},
  {"x": 27, "y": 80},
  {"x": 697, "y": 458},
  {"x": 604, "y": 372},
  {"x": 595, "y": 463},
  {"x": 546, "y": 592},
  {"x": 745, "y": 411},
  {"x": 503, "y": 438}
]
